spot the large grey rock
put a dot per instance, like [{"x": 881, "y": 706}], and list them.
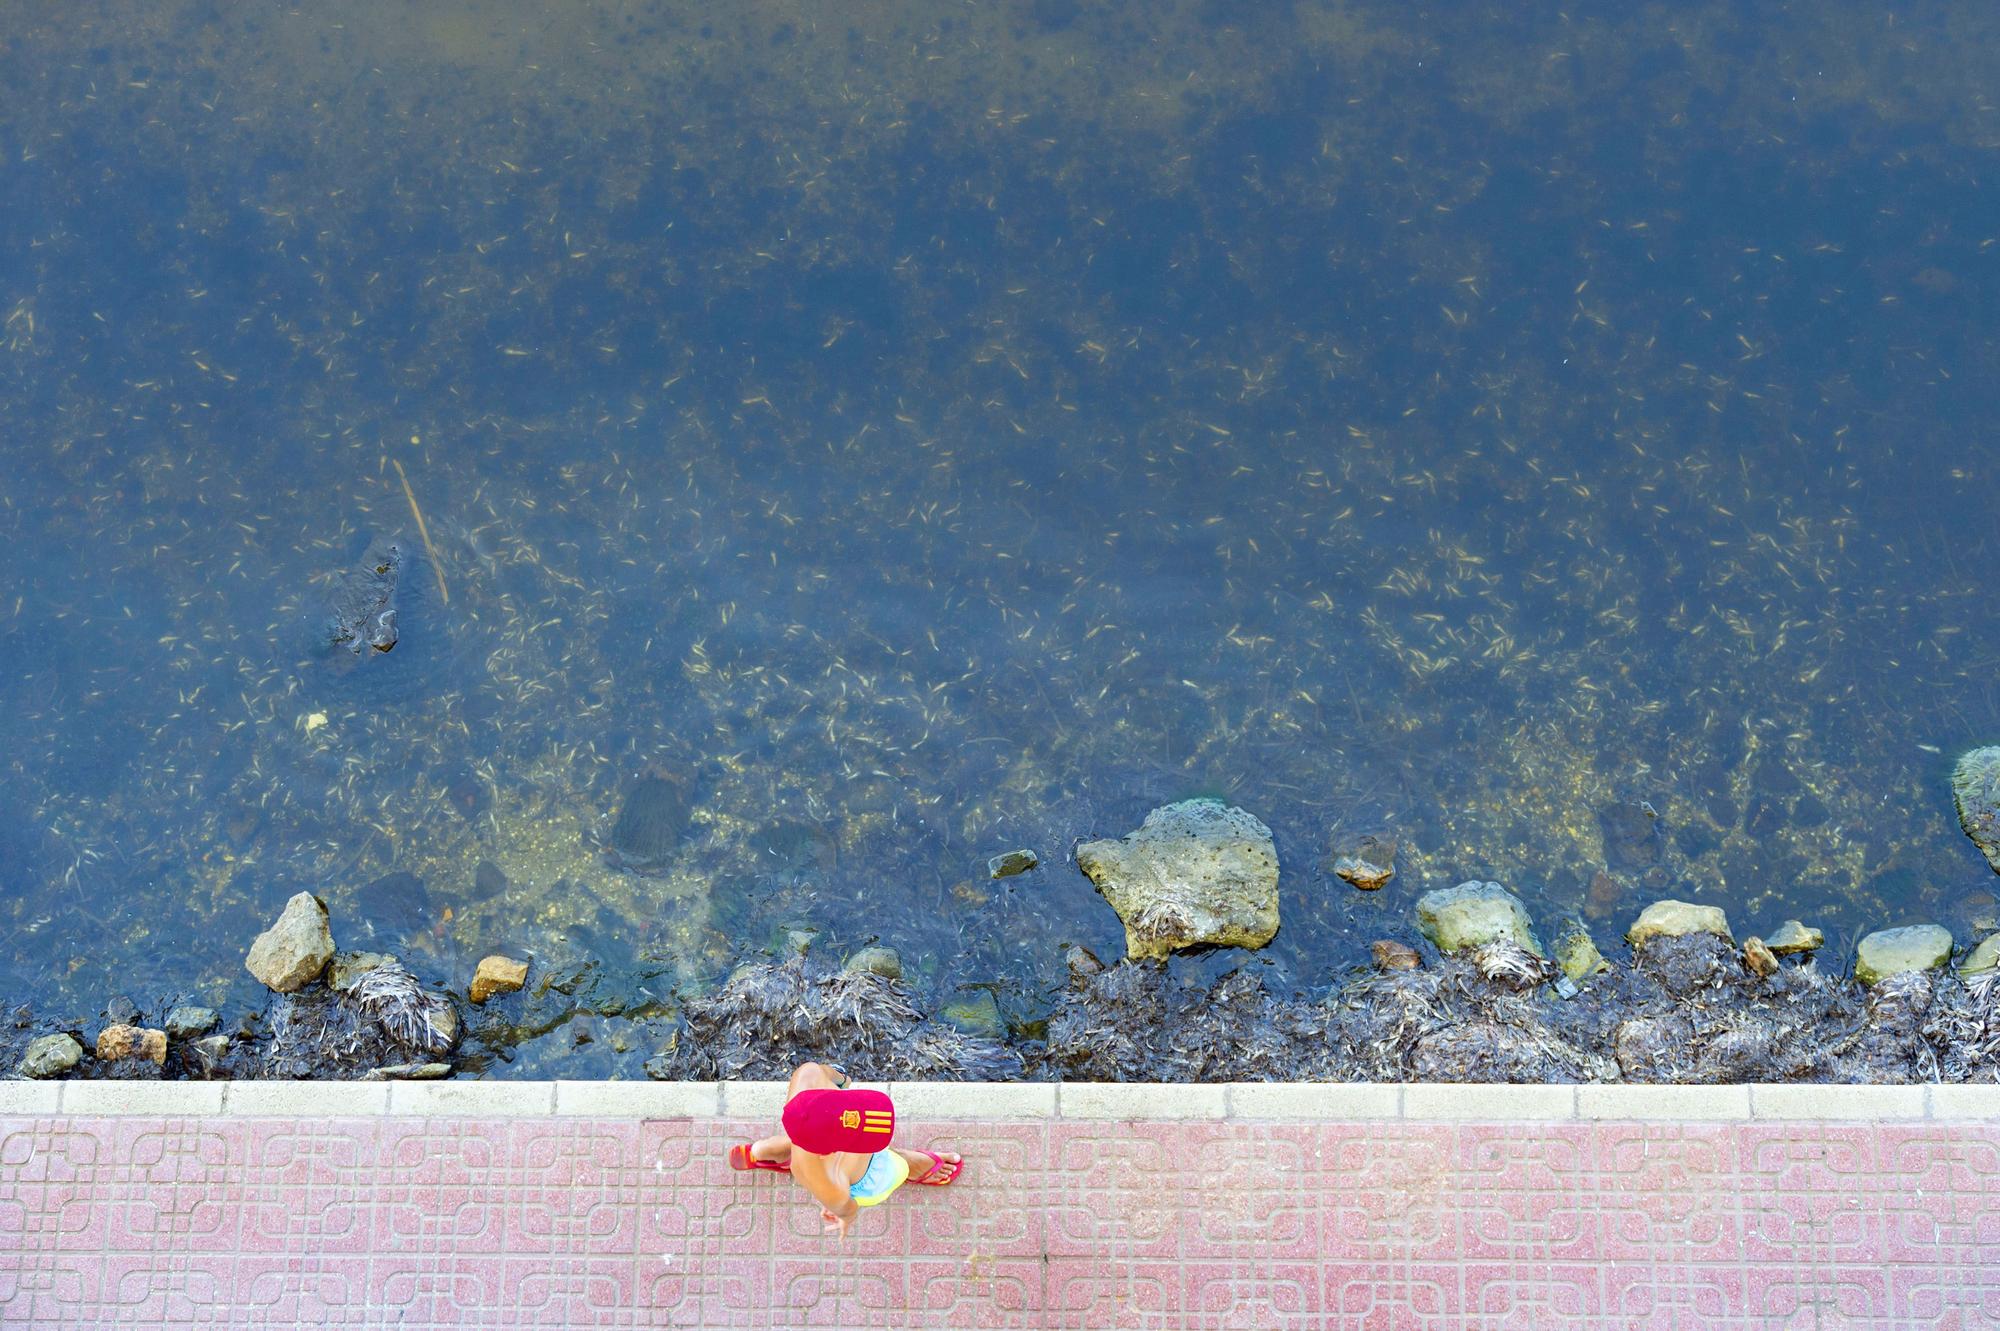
[
  {"x": 51, "y": 1056},
  {"x": 1975, "y": 789},
  {"x": 1198, "y": 872},
  {"x": 290, "y": 954},
  {"x": 1676, "y": 919},
  {"x": 1886, "y": 952},
  {"x": 1474, "y": 914}
]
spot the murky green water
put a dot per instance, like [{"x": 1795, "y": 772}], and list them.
[{"x": 936, "y": 429}]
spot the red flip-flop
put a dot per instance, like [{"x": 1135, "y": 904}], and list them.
[
  {"x": 941, "y": 1172},
  {"x": 740, "y": 1159}
]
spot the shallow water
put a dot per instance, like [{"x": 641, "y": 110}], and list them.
[{"x": 947, "y": 430}]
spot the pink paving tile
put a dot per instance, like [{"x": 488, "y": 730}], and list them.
[
  {"x": 840, "y": 1292},
  {"x": 1669, "y": 1292},
  {"x": 445, "y": 1223},
  {"x": 1253, "y": 1295},
  {"x": 1828, "y": 1227},
  {"x": 1391, "y": 1296},
  {"x": 301, "y": 1288},
  {"x": 995, "y": 1206},
  {"x": 980, "y": 1291},
  {"x": 1111, "y": 1292},
  {"x": 1112, "y": 1188},
  {"x": 1529, "y": 1296},
  {"x": 1388, "y": 1192}
]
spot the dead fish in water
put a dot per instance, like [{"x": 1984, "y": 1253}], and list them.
[{"x": 362, "y": 613}]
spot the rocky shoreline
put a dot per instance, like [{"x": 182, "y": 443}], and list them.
[{"x": 1483, "y": 1000}]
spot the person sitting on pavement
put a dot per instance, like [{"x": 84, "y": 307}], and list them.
[{"x": 836, "y": 1142}]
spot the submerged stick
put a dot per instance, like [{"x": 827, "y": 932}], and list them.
[{"x": 422, "y": 530}]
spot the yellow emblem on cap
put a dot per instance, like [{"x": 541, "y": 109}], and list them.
[{"x": 850, "y": 1118}]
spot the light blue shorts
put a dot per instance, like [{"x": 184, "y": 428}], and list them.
[{"x": 887, "y": 1172}]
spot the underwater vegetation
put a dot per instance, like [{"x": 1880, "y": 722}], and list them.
[{"x": 822, "y": 455}]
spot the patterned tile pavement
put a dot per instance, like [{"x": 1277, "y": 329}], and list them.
[{"x": 436, "y": 1222}]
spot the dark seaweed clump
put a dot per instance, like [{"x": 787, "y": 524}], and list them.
[
  {"x": 1687, "y": 1011},
  {"x": 769, "y": 1018}
]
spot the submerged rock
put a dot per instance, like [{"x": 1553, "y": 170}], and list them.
[
  {"x": 347, "y": 968},
  {"x": 1886, "y": 952},
  {"x": 1011, "y": 863},
  {"x": 1195, "y": 873},
  {"x": 647, "y": 835},
  {"x": 291, "y": 953},
  {"x": 1473, "y": 914},
  {"x": 1367, "y": 861},
  {"x": 1791, "y": 936},
  {"x": 1674, "y": 919},
  {"x": 362, "y": 611},
  {"x": 1975, "y": 790},
  {"x": 977, "y": 1015},
  {"x": 51, "y": 1056},
  {"x": 1393, "y": 956},
  {"x": 876, "y": 960},
  {"x": 1577, "y": 955}
]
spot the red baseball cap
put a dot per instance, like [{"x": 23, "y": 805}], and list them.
[{"x": 824, "y": 1121}]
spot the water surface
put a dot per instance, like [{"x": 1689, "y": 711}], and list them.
[{"x": 936, "y": 429}]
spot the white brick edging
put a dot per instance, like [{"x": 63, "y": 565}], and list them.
[{"x": 1075, "y": 1101}]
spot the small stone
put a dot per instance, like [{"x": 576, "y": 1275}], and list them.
[
  {"x": 1886, "y": 952},
  {"x": 210, "y": 1050},
  {"x": 1982, "y": 959},
  {"x": 1367, "y": 861},
  {"x": 1081, "y": 961},
  {"x": 1474, "y": 914},
  {"x": 1675, "y": 919},
  {"x": 408, "y": 1072},
  {"x": 1577, "y": 955},
  {"x": 497, "y": 975},
  {"x": 443, "y": 1021},
  {"x": 116, "y": 1042},
  {"x": 122, "y": 1011},
  {"x": 1011, "y": 863},
  {"x": 347, "y": 968},
  {"x": 290, "y": 954},
  {"x": 187, "y": 1021},
  {"x": 1393, "y": 956},
  {"x": 1980, "y": 911},
  {"x": 1759, "y": 958},
  {"x": 875, "y": 960},
  {"x": 51, "y": 1056},
  {"x": 978, "y": 1015},
  {"x": 1791, "y": 936},
  {"x": 799, "y": 940},
  {"x": 1566, "y": 987}
]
